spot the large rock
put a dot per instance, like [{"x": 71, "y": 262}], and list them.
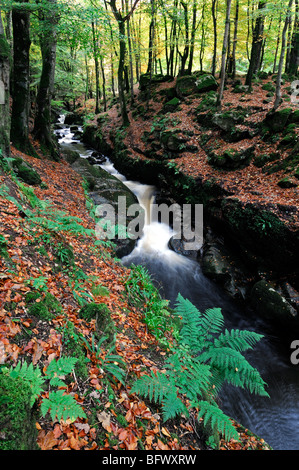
[
  {"x": 17, "y": 417},
  {"x": 276, "y": 121},
  {"x": 147, "y": 79},
  {"x": 232, "y": 159},
  {"x": 271, "y": 304},
  {"x": 226, "y": 121},
  {"x": 92, "y": 135},
  {"x": 191, "y": 84},
  {"x": 105, "y": 188}
]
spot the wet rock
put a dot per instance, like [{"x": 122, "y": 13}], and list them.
[
  {"x": 270, "y": 304},
  {"x": 105, "y": 188}
]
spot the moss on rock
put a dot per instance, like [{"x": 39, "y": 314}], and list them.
[
  {"x": 101, "y": 313},
  {"x": 25, "y": 172},
  {"x": 17, "y": 419},
  {"x": 43, "y": 306}
]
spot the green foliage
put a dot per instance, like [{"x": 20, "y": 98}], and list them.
[
  {"x": 200, "y": 366},
  {"x": 142, "y": 293},
  {"x": 17, "y": 418},
  {"x": 32, "y": 376},
  {"x": 112, "y": 364},
  {"x": 62, "y": 406},
  {"x": 57, "y": 370},
  {"x": 47, "y": 306}
]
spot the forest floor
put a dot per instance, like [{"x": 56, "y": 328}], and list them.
[{"x": 29, "y": 261}]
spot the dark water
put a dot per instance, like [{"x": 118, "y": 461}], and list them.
[{"x": 275, "y": 419}]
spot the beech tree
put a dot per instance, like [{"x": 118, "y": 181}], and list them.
[
  {"x": 48, "y": 41},
  {"x": 21, "y": 74},
  {"x": 4, "y": 92}
]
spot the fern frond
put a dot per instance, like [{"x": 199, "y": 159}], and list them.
[
  {"x": 212, "y": 321},
  {"x": 235, "y": 369},
  {"x": 62, "y": 406},
  {"x": 173, "y": 405},
  {"x": 240, "y": 340},
  {"x": 191, "y": 322},
  {"x": 218, "y": 420},
  {"x": 31, "y": 375},
  {"x": 56, "y": 370},
  {"x": 155, "y": 387}
]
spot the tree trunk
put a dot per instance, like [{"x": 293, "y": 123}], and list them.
[
  {"x": 192, "y": 36},
  {"x": 4, "y": 93},
  {"x": 130, "y": 56},
  {"x": 282, "y": 54},
  {"x": 257, "y": 42},
  {"x": 20, "y": 85},
  {"x": 214, "y": 15},
  {"x": 185, "y": 54},
  {"x": 277, "y": 45},
  {"x": 96, "y": 66},
  {"x": 48, "y": 40},
  {"x": 224, "y": 48},
  {"x": 233, "y": 65},
  {"x": 294, "y": 53}
]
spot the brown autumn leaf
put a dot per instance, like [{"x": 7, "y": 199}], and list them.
[
  {"x": 104, "y": 419},
  {"x": 46, "y": 441},
  {"x": 37, "y": 352}
]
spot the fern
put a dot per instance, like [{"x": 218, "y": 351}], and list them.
[
  {"x": 156, "y": 386},
  {"x": 213, "y": 416},
  {"x": 57, "y": 370},
  {"x": 32, "y": 376},
  {"x": 240, "y": 340},
  {"x": 62, "y": 406},
  {"x": 200, "y": 366}
]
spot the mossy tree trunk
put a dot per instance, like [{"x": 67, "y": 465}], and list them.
[
  {"x": 4, "y": 92},
  {"x": 257, "y": 43},
  {"x": 20, "y": 82},
  {"x": 48, "y": 39}
]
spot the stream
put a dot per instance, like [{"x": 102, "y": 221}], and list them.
[{"x": 275, "y": 419}]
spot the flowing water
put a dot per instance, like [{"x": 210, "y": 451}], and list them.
[{"x": 276, "y": 418}]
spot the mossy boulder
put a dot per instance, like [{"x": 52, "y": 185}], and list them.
[
  {"x": 171, "y": 105},
  {"x": 43, "y": 306},
  {"x": 264, "y": 158},
  {"x": 269, "y": 303},
  {"x": 171, "y": 141},
  {"x": 93, "y": 136},
  {"x": 269, "y": 87},
  {"x": 227, "y": 120},
  {"x": 231, "y": 159},
  {"x": 147, "y": 79},
  {"x": 275, "y": 121},
  {"x": 239, "y": 88},
  {"x": 208, "y": 102},
  {"x": 191, "y": 84},
  {"x": 186, "y": 86},
  {"x": 287, "y": 183},
  {"x": 101, "y": 313},
  {"x": 26, "y": 172},
  {"x": 206, "y": 83},
  {"x": 17, "y": 418}
]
